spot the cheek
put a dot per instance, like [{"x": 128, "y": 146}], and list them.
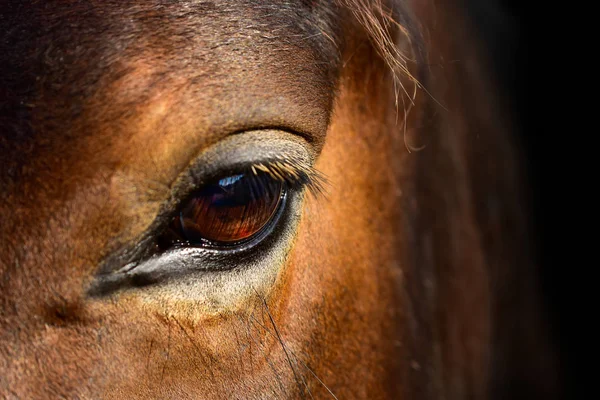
[
  {"x": 344, "y": 278},
  {"x": 166, "y": 355}
]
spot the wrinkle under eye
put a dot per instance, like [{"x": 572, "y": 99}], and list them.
[{"x": 226, "y": 212}]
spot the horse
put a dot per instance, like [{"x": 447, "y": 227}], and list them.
[{"x": 261, "y": 199}]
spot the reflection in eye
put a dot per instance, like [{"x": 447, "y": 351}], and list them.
[{"x": 229, "y": 211}]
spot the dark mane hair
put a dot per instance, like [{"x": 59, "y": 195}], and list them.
[{"x": 478, "y": 326}]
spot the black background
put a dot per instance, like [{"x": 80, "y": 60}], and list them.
[{"x": 515, "y": 39}]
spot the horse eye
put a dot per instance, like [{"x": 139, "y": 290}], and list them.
[{"x": 227, "y": 212}]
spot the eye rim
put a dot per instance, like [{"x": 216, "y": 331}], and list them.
[
  {"x": 238, "y": 245},
  {"x": 240, "y": 152},
  {"x": 240, "y": 269},
  {"x": 215, "y": 280}
]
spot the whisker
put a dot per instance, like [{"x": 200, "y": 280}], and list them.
[
  {"x": 240, "y": 348},
  {"x": 275, "y": 373},
  {"x": 301, "y": 361},
  {"x": 164, "y": 368},
  {"x": 197, "y": 349},
  {"x": 149, "y": 355},
  {"x": 287, "y": 355},
  {"x": 317, "y": 378}
]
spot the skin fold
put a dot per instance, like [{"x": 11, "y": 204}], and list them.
[{"x": 397, "y": 282}]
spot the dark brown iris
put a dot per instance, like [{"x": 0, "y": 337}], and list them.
[{"x": 230, "y": 210}]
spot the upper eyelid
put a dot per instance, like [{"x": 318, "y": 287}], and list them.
[
  {"x": 258, "y": 149},
  {"x": 252, "y": 148},
  {"x": 280, "y": 154}
]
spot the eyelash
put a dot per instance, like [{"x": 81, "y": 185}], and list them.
[{"x": 295, "y": 175}]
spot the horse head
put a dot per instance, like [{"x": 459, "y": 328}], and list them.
[{"x": 259, "y": 199}]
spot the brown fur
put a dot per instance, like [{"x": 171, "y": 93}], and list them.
[{"x": 411, "y": 279}]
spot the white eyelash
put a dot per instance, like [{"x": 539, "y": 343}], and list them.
[{"x": 294, "y": 174}]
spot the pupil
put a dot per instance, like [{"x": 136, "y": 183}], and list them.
[{"x": 229, "y": 210}]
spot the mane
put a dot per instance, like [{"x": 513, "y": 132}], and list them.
[
  {"x": 476, "y": 326},
  {"x": 385, "y": 23},
  {"x": 393, "y": 33}
]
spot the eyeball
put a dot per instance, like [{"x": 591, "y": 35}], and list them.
[{"x": 229, "y": 211}]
